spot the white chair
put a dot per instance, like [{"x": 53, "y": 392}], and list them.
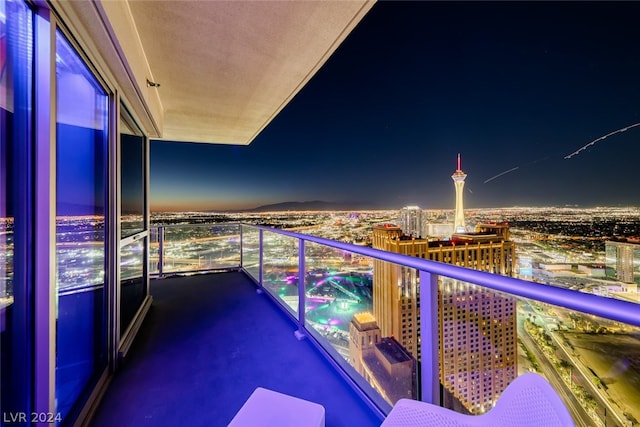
[
  {"x": 528, "y": 401},
  {"x": 268, "y": 408}
]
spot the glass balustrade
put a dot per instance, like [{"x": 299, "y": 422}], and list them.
[
  {"x": 363, "y": 311},
  {"x": 363, "y": 307},
  {"x": 591, "y": 361},
  {"x": 251, "y": 251},
  {"x": 478, "y": 345},
  {"x": 280, "y": 272},
  {"x": 195, "y": 248}
]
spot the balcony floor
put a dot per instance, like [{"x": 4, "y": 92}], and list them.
[{"x": 206, "y": 344}]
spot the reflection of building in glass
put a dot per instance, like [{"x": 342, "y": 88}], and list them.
[
  {"x": 6, "y": 261},
  {"x": 478, "y": 327},
  {"x": 412, "y": 221},
  {"x": 623, "y": 260}
]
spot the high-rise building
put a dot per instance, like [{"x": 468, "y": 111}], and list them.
[
  {"x": 623, "y": 260},
  {"x": 478, "y": 342},
  {"x": 413, "y": 221},
  {"x": 395, "y": 301},
  {"x": 364, "y": 334},
  {"x": 458, "y": 180},
  {"x": 383, "y": 362}
]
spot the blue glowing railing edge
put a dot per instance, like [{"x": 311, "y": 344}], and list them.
[{"x": 609, "y": 308}]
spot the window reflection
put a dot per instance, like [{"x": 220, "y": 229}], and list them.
[
  {"x": 132, "y": 283},
  {"x": 132, "y": 176},
  {"x": 81, "y": 160},
  {"x": 80, "y": 224},
  {"x": 15, "y": 106}
]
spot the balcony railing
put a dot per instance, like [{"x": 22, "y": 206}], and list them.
[{"x": 399, "y": 326}]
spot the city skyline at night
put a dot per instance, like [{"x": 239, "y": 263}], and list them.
[{"x": 516, "y": 88}]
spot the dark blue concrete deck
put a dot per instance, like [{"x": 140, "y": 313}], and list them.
[{"x": 206, "y": 344}]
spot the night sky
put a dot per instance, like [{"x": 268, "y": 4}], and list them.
[{"x": 505, "y": 84}]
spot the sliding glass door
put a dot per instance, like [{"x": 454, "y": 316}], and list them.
[
  {"x": 133, "y": 222},
  {"x": 81, "y": 236}
]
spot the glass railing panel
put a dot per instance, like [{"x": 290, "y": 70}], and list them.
[
  {"x": 488, "y": 338},
  {"x": 478, "y": 345},
  {"x": 280, "y": 269},
  {"x": 592, "y": 362},
  {"x": 193, "y": 248},
  {"x": 365, "y": 313},
  {"x": 251, "y": 251}
]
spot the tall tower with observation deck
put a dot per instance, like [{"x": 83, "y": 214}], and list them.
[{"x": 458, "y": 180}]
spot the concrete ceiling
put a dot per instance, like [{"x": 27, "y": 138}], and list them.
[{"x": 226, "y": 68}]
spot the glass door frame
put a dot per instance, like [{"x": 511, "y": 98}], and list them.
[
  {"x": 42, "y": 225},
  {"x": 46, "y": 25},
  {"x": 124, "y": 340}
]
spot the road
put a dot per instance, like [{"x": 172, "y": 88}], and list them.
[
  {"x": 612, "y": 418},
  {"x": 612, "y": 415},
  {"x": 580, "y": 416}
]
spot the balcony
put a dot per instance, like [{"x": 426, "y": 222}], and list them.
[
  {"x": 207, "y": 343},
  {"x": 211, "y": 339}
]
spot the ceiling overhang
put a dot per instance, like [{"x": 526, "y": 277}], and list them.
[{"x": 225, "y": 69}]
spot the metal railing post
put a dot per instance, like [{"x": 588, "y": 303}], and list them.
[
  {"x": 429, "y": 333},
  {"x": 260, "y": 260},
  {"x": 160, "y": 251},
  {"x": 241, "y": 246},
  {"x": 300, "y": 333}
]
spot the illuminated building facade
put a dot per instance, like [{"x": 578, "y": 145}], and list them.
[
  {"x": 478, "y": 342},
  {"x": 383, "y": 362},
  {"x": 364, "y": 334}
]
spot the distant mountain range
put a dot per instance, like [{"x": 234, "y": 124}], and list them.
[{"x": 314, "y": 205}]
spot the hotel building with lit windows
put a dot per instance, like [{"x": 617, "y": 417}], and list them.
[{"x": 477, "y": 352}]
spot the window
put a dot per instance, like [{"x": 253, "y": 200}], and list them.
[{"x": 81, "y": 170}]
